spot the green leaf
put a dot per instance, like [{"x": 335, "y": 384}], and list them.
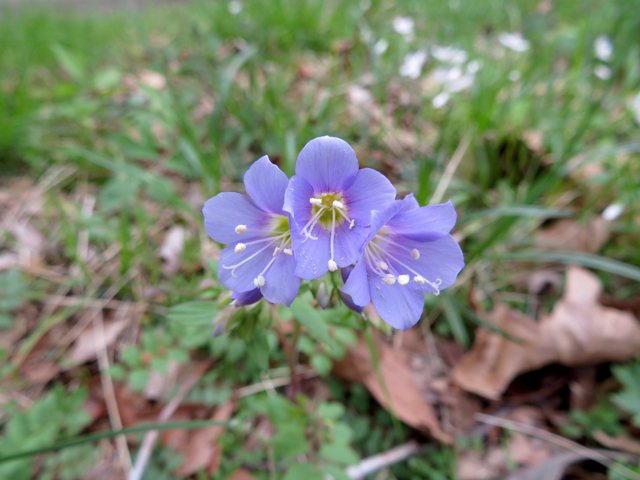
[
  {"x": 310, "y": 318},
  {"x": 138, "y": 379},
  {"x": 455, "y": 321},
  {"x": 303, "y": 471},
  {"x": 192, "y": 313},
  {"x": 70, "y": 62},
  {"x": 259, "y": 350},
  {"x": 335, "y": 472},
  {"x": 290, "y": 440},
  {"x": 339, "y": 453},
  {"x": 321, "y": 364},
  {"x": 629, "y": 397},
  {"x": 331, "y": 410}
]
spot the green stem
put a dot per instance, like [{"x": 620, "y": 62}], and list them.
[{"x": 292, "y": 356}]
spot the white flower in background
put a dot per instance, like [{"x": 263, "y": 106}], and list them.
[
  {"x": 473, "y": 66},
  {"x": 404, "y": 26},
  {"x": 440, "y": 100},
  {"x": 453, "y": 79},
  {"x": 515, "y": 75},
  {"x": 413, "y": 63},
  {"x": 449, "y": 54},
  {"x": 613, "y": 211},
  {"x": 603, "y": 48},
  {"x": 380, "y": 46},
  {"x": 235, "y": 7},
  {"x": 635, "y": 107},
  {"x": 602, "y": 72},
  {"x": 514, "y": 41}
]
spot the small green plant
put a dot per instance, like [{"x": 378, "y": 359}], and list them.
[
  {"x": 603, "y": 417},
  {"x": 628, "y": 398},
  {"x": 12, "y": 294}
]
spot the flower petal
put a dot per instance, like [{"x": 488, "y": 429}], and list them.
[
  {"x": 410, "y": 203},
  {"x": 399, "y": 305},
  {"x": 347, "y": 243},
  {"x": 370, "y": 190},
  {"x": 257, "y": 257},
  {"x": 246, "y": 298},
  {"x": 357, "y": 284},
  {"x": 425, "y": 224},
  {"x": 296, "y": 200},
  {"x": 265, "y": 184},
  {"x": 281, "y": 284},
  {"x": 224, "y": 212},
  {"x": 441, "y": 259},
  {"x": 312, "y": 256},
  {"x": 379, "y": 218},
  {"x": 329, "y": 164}
]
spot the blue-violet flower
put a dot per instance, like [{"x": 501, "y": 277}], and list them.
[
  {"x": 407, "y": 253},
  {"x": 330, "y": 202},
  {"x": 260, "y": 254}
]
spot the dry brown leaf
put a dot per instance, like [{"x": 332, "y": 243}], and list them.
[
  {"x": 408, "y": 402},
  {"x": 84, "y": 348},
  {"x": 623, "y": 442},
  {"x": 201, "y": 450},
  {"x": 241, "y": 474},
  {"x": 569, "y": 235},
  {"x": 526, "y": 449},
  {"x": 579, "y": 331},
  {"x": 171, "y": 249},
  {"x": 473, "y": 465}
]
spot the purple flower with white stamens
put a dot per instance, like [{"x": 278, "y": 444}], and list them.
[
  {"x": 330, "y": 202},
  {"x": 246, "y": 298},
  {"x": 408, "y": 252},
  {"x": 260, "y": 253}
]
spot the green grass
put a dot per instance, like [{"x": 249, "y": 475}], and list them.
[{"x": 267, "y": 80}]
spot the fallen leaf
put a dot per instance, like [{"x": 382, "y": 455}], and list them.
[
  {"x": 171, "y": 249},
  {"x": 241, "y": 474},
  {"x": 525, "y": 449},
  {"x": 407, "y": 400},
  {"x": 152, "y": 79},
  {"x": 569, "y": 235},
  {"x": 474, "y": 465},
  {"x": 84, "y": 348},
  {"x": 201, "y": 450},
  {"x": 579, "y": 331},
  {"x": 623, "y": 442}
]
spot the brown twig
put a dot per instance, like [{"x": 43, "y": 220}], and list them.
[
  {"x": 144, "y": 453},
  {"x": 384, "y": 459}
]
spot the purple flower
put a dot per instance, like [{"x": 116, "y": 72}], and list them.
[
  {"x": 407, "y": 253},
  {"x": 330, "y": 202},
  {"x": 259, "y": 255},
  {"x": 246, "y": 298}
]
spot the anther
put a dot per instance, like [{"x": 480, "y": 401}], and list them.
[
  {"x": 415, "y": 253},
  {"x": 258, "y": 281},
  {"x": 288, "y": 251},
  {"x": 352, "y": 224},
  {"x": 389, "y": 279},
  {"x": 383, "y": 265},
  {"x": 338, "y": 204},
  {"x": 241, "y": 229},
  {"x": 276, "y": 251},
  {"x": 315, "y": 201},
  {"x": 333, "y": 266},
  {"x": 239, "y": 248},
  {"x": 419, "y": 280},
  {"x": 403, "y": 279}
]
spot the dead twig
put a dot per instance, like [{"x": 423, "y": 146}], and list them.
[
  {"x": 451, "y": 168},
  {"x": 144, "y": 453},
  {"x": 381, "y": 460}
]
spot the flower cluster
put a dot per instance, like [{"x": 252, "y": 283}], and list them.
[{"x": 331, "y": 214}]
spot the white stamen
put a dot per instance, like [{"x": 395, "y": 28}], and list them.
[
  {"x": 288, "y": 251},
  {"x": 403, "y": 279},
  {"x": 419, "y": 280},
  {"x": 415, "y": 253},
  {"x": 383, "y": 265},
  {"x": 258, "y": 281},
  {"x": 239, "y": 248},
  {"x": 389, "y": 279},
  {"x": 338, "y": 204},
  {"x": 315, "y": 201},
  {"x": 333, "y": 266},
  {"x": 276, "y": 251},
  {"x": 352, "y": 224},
  {"x": 241, "y": 229}
]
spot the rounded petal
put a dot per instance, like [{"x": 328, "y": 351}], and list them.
[
  {"x": 329, "y": 164},
  {"x": 441, "y": 259},
  {"x": 370, "y": 190},
  {"x": 410, "y": 203},
  {"x": 312, "y": 256},
  {"x": 240, "y": 279},
  {"x": 296, "y": 200},
  {"x": 425, "y": 224},
  {"x": 357, "y": 284},
  {"x": 281, "y": 284},
  {"x": 224, "y": 212},
  {"x": 348, "y": 243},
  {"x": 265, "y": 184},
  {"x": 400, "y": 306},
  {"x": 379, "y": 218}
]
